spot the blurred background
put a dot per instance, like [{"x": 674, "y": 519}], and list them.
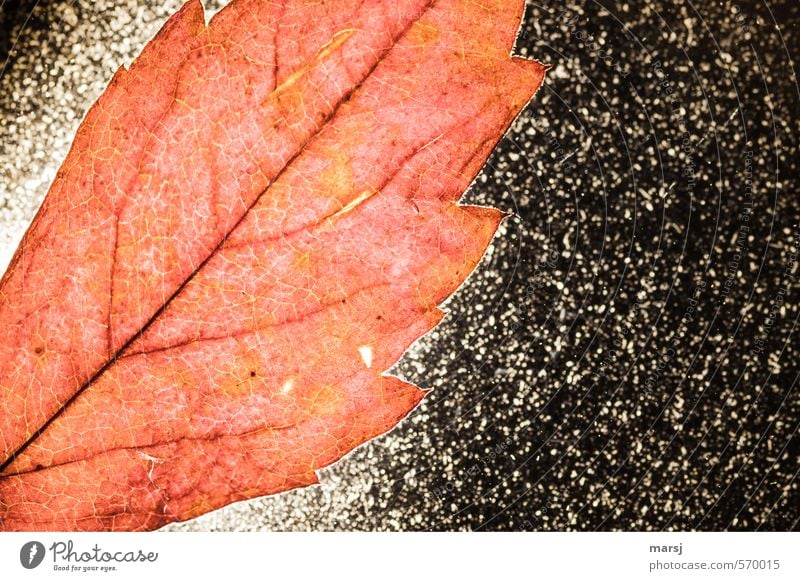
[{"x": 626, "y": 357}]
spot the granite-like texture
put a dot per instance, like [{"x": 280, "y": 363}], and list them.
[{"x": 627, "y": 356}]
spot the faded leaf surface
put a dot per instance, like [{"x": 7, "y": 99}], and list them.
[{"x": 255, "y": 220}]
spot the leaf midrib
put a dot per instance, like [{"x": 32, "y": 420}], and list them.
[{"x": 113, "y": 359}]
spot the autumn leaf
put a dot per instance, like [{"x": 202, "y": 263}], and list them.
[{"x": 255, "y": 221}]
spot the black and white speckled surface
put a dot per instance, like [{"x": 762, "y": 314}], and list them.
[{"x": 627, "y": 356}]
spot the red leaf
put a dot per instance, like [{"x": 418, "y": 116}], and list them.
[{"x": 253, "y": 223}]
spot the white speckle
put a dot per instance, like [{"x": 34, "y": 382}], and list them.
[
  {"x": 153, "y": 461},
  {"x": 287, "y": 386},
  {"x": 366, "y": 354},
  {"x": 147, "y": 456}
]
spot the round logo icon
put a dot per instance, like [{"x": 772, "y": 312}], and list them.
[{"x": 31, "y": 554}]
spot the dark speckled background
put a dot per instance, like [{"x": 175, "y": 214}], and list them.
[{"x": 627, "y": 356}]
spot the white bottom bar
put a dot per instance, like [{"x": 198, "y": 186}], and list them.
[{"x": 400, "y": 556}]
